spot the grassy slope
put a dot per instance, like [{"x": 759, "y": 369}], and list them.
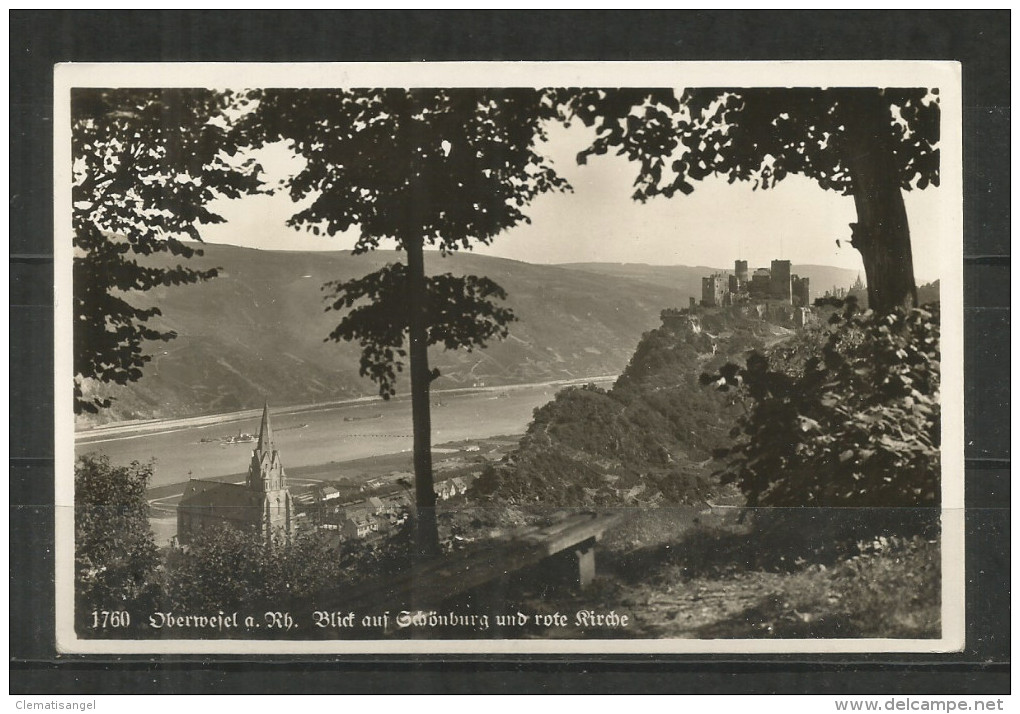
[{"x": 687, "y": 574}]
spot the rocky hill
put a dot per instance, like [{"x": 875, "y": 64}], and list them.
[{"x": 649, "y": 439}]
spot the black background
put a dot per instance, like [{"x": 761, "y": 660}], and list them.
[{"x": 979, "y": 39}]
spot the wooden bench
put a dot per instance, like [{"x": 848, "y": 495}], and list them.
[{"x": 567, "y": 545}]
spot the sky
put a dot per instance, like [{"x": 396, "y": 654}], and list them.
[{"x": 600, "y": 222}]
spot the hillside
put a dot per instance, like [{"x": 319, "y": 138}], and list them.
[
  {"x": 689, "y": 561},
  {"x": 256, "y": 332},
  {"x": 687, "y": 280},
  {"x": 649, "y": 439}
]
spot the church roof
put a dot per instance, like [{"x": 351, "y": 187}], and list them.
[{"x": 228, "y": 500}]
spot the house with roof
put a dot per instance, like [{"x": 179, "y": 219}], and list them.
[
  {"x": 305, "y": 502},
  {"x": 329, "y": 493},
  {"x": 358, "y": 524},
  {"x": 262, "y": 503}
]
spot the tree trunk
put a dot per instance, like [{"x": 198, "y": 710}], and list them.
[
  {"x": 881, "y": 233},
  {"x": 426, "y": 529}
]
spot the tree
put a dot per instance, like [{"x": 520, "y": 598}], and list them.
[
  {"x": 442, "y": 168},
  {"x": 868, "y": 143},
  {"x": 115, "y": 555},
  {"x": 230, "y": 568},
  {"x": 145, "y": 163},
  {"x": 460, "y": 314},
  {"x": 853, "y": 422}
]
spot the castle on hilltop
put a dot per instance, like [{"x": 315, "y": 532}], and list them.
[
  {"x": 263, "y": 503},
  {"x": 775, "y": 283},
  {"x": 774, "y": 293}
]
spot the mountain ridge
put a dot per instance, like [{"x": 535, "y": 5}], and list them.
[
  {"x": 688, "y": 278},
  {"x": 257, "y": 331}
]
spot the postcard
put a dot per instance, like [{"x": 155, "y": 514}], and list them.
[{"x": 509, "y": 358}]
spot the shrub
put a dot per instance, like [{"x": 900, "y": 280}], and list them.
[
  {"x": 231, "y": 568},
  {"x": 116, "y": 560},
  {"x": 892, "y": 589},
  {"x": 858, "y": 425}
]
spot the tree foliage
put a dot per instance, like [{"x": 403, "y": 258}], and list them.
[
  {"x": 451, "y": 167},
  {"x": 232, "y": 569},
  {"x": 857, "y": 424},
  {"x": 648, "y": 439},
  {"x": 446, "y": 168},
  {"x": 460, "y": 313},
  {"x": 145, "y": 164},
  {"x": 439, "y": 167},
  {"x": 759, "y": 135},
  {"x": 115, "y": 556},
  {"x": 868, "y": 143}
]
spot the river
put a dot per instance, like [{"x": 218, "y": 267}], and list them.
[{"x": 311, "y": 436}]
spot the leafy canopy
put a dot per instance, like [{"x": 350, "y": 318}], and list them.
[
  {"x": 759, "y": 135},
  {"x": 230, "y": 568},
  {"x": 115, "y": 555},
  {"x": 447, "y": 166},
  {"x": 438, "y": 167},
  {"x": 145, "y": 164},
  {"x": 460, "y": 311}
]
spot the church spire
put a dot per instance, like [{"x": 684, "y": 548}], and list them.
[
  {"x": 267, "y": 482},
  {"x": 265, "y": 433},
  {"x": 265, "y": 473}
]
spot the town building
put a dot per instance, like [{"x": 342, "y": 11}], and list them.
[
  {"x": 859, "y": 291},
  {"x": 305, "y": 500},
  {"x": 262, "y": 504},
  {"x": 358, "y": 524}
]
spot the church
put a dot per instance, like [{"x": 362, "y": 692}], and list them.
[{"x": 262, "y": 504}]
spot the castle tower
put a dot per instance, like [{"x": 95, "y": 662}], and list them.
[
  {"x": 781, "y": 281},
  {"x": 740, "y": 271},
  {"x": 267, "y": 478},
  {"x": 713, "y": 288},
  {"x": 801, "y": 291}
]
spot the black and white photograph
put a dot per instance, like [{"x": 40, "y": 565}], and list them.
[{"x": 509, "y": 357}]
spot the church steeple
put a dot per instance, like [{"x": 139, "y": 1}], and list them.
[
  {"x": 266, "y": 433},
  {"x": 268, "y": 482},
  {"x": 265, "y": 473}
]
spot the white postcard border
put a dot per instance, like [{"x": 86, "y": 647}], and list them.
[{"x": 942, "y": 74}]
